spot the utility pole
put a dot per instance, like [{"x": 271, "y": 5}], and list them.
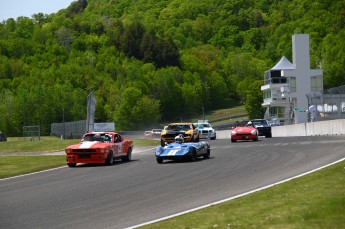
[
  {"x": 203, "y": 114},
  {"x": 63, "y": 120}
]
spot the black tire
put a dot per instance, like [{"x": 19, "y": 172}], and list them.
[
  {"x": 207, "y": 155},
  {"x": 197, "y": 139},
  {"x": 214, "y": 138},
  {"x": 194, "y": 156},
  {"x": 110, "y": 159},
  {"x": 162, "y": 143},
  {"x": 128, "y": 157},
  {"x": 71, "y": 165},
  {"x": 233, "y": 140},
  {"x": 256, "y": 138},
  {"x": 159, "y": 160}
]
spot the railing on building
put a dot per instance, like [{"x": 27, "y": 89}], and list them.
[
  {"x": 330, "y": 103},
  {"x": 277, "y": 80}
]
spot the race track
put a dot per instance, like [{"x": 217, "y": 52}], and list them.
[{"x": 127, "y": 194}]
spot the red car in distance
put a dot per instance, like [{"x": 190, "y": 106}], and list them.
[
  {"x": 244, "y": 133},
  {"x": 99, "y": 148}
]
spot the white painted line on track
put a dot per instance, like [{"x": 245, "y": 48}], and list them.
[
  {"x": 27, "y": 174},
  {"x": 8, "y": 178},
  {"x": 234, "y": 197}
]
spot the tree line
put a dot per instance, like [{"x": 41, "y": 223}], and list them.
[{"x": 155, "y": 61}]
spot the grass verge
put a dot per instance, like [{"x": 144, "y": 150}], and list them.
[
  {"x": 18, "y": 165},
  {"x": 48, "y": 144},
  {"x": 314, "y": 201}
]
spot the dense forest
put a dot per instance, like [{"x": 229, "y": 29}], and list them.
[{"x": 154, "y": 61}]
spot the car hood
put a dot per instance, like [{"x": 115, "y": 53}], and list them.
[
  {"x": 243, "y": 130},
  {"x": 176, "y": 149},
  {"x": 89, "y": 145}
]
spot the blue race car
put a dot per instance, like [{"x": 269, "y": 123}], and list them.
[{"x": 179, "y": 150}]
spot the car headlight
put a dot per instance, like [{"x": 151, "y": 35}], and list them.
[
  {"x": 254, "y": 132},
  {"x": 159, "y": 151},
  {"x": 233, "y": 132}
]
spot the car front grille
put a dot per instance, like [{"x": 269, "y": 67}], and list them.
[
  {"x": 243, "y": 135},
  {"x": 84, "y": 150},
  {"x": 83, "y": 156}
]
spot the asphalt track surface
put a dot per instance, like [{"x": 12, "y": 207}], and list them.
[{"x": 127, "y": 194}]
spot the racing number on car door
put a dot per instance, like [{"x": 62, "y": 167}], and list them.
[{"x": 120, "y": 148}]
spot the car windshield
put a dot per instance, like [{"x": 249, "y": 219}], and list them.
[
  {"x": 203, "y": 125},
  {"x": 179, "y": 127},
  {"x": 97, "y": 138},
  {"x": 259, "y": 122}
]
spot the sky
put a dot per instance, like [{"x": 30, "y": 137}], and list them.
[{"x": 17, "y": 8}]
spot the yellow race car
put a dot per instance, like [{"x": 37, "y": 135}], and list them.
[{"x": 188, "y": 130}]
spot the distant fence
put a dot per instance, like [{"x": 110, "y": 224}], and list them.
[
  {"x": 68, "y": 129},
  {"x": 330, "y": 103},
  {"x": 71, "y": 130}
]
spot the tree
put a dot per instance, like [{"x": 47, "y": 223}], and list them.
[
  {"x": 165, "y": 89},
  {"x": 254, "y": 100},
  {"x": 217, "y": 90},
  {"x": 136, "y": 111},
  {"x": 131, "y": 39}
]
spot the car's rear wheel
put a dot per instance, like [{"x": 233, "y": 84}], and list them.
[
  {"x": 110, "y": 159},
  {"x": 159, "y": 160},
  {"x": 71, "y": 165},
  {"x": 128, "y": 157}
]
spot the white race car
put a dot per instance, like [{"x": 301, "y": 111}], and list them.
[{"x": 206, "y": 130}]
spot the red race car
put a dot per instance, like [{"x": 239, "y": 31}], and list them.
[
  {"x": 244, "y": 133},
  {"x": 99, "y": 148}
]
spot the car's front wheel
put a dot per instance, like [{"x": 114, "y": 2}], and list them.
[
  {"x": 71, "y": 165},
  {"x": 159, "y": 160},
  {"x": 193, "y": 156},
  {"x": 162, "y": 143},
  {"x": 110, "y": 159},
  {"x": 207, "y": 155}
]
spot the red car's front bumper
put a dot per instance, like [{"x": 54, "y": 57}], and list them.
[{"x": 73, "y": 158}]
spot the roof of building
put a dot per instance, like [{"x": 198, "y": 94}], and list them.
[{"x": 283, "y": 64}]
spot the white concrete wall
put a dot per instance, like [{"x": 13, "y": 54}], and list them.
[
  {"x": 224, "y": 134},
  {"x": 331, "y": 127}
]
